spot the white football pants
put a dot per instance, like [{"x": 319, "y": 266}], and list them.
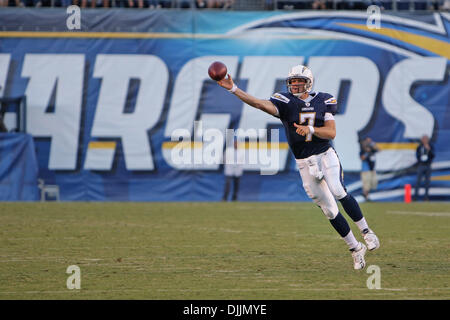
[{"x": 321, "y": 175}]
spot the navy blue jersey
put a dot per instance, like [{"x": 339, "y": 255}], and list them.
[{"x": 294, "y": 110}]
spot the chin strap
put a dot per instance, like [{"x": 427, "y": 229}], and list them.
[{"x": 298, "y": 95}]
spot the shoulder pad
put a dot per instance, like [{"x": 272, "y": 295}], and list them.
[{"x": 280, "y": 97}]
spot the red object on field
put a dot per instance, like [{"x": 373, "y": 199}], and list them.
[
  {"x": 217, "y": 70},
  {"x": 407, "y": 193}
]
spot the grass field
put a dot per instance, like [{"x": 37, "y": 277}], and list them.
[{"x": 218, "y": 251}]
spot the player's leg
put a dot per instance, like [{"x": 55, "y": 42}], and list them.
[
  {"x": 427, "y": 181},
  {"x": 319, "y": 192},
  {"x": 227, "y": 188},
  {"x": 373, "y": 180},
  {"x": 333, "y": 174},
  {"x": 365, "y": 184},
  {"x": 420, "y": 172},
  {"x": 235, "y": 188}
]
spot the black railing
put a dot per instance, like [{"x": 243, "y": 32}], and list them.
[
  {"x": 391, "y": 5},
  {"x": 142, "y": 4},
  {"x": 240, "y": 5}
]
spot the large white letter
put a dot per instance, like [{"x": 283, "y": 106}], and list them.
[
  {"x": 398, "y": 102},
  {"x": 110, "y": 120},
  {"x": 187, "y": 90},
  {"x": 185, "y": 102},
  {"x": 62, "y": 75},
  {"x": 364, "y": 80}
]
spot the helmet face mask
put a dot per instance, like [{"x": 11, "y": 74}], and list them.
[
  {"x": 302, "y": 85},
  {"x": 300, "y": 72}
]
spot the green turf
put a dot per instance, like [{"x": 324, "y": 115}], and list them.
[{"x": 218, "y": 251}]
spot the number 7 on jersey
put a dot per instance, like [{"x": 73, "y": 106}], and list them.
[{"x": 311, "y": 117}]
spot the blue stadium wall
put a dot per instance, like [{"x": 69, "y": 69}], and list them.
[{"x": 108, "y": 100}]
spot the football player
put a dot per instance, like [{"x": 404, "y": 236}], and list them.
[{"x": 308, "y": 119}]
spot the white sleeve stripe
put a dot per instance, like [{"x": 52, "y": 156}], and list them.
[
  {"x": 278, "y": 112},
  {"x": 328, "y": 116},
  {"x": 332, "y": 100}
]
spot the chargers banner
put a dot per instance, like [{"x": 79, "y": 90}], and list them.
[{"x": 121, "y": 107}]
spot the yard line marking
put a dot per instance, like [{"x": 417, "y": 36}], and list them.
[
  {"x": 418, "y": 213},
  {"x": 264, "y": 232},
  {"x": 32, "y": 259},
  {"x": 223, "y": 289},
  {"x": 41, "y": 238},
  {"x": 280, "y": 208}
]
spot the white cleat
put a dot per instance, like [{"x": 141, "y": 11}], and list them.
[
  {"x": 371, "y": 239},
  {"x": 358, "y": 256}
]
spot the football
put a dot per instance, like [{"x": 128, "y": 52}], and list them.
[{"x": 217, "y": 71}]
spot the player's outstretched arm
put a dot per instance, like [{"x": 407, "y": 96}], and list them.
[{"x": 264, "y": 105}]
